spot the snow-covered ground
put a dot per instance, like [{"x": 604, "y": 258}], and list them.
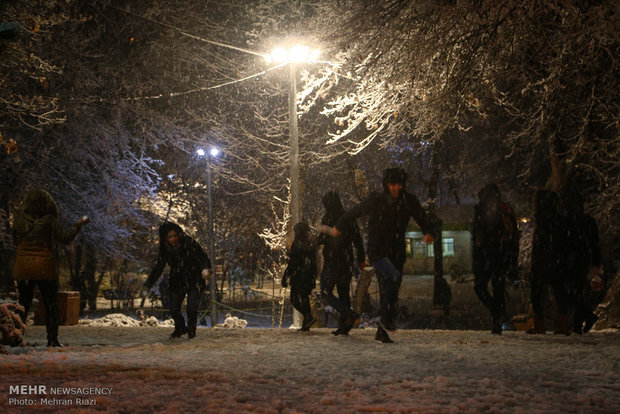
[{"x": 138, "y": 370}]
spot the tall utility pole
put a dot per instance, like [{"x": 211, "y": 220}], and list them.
[
  {"x": 293, "y": 142},
  {"x": 212, "y": 281}
]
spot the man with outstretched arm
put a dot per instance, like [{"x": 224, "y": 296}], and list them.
[{"x": 388, "y": 216}]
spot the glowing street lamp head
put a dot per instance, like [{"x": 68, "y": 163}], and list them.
[
  {"x": 213, "y": 151},
  {"x": 297, "y": 54}
]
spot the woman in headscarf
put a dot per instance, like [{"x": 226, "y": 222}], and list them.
[{"x": 36, "y": 231}]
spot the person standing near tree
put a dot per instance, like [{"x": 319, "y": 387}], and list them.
[
  {"x": 495, "y": 250},
  {"x": 388, "y": 214},
  {"x": 338, "y": 260},
  {"x": 301, "y": 272},
  {"x": 189, "y": 269},
  {"x": 36, "y": 232},
  {"x": 584, "y": 258}
]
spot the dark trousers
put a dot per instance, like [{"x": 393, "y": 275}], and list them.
[
  {"x": 176, "y": 297},
  {"x": 495, "y": 303},
  {"x": 389, "y": 277},
  {"x": 538, "y": 293},
  {"x": 49, "y": 293},
  {"x": 336, "y": 275},
  {"x": 300, "y": 299}
]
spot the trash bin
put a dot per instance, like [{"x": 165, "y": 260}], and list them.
[{"x": 68, "y": 308}]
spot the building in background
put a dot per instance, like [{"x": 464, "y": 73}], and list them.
[{"x": 457, "y": 243}]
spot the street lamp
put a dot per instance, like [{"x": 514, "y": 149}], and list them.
[
  {"x": 292, "y": 56},
  {"x": 213, "y": 152}
]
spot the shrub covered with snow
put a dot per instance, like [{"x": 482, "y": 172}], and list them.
[{"x": 11, "y": 326}]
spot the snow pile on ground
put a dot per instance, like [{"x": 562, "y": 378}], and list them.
[
  {"x": 232, "y": 322},
  {"x": 139, "y": 370},
  {"x": 121, "y": 320}
]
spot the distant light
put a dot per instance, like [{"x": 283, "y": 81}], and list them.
[
  {"x": 200, "y": 152},
  {"x": 214, "y": 151}
]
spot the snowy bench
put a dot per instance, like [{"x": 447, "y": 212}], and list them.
[{"x": 122, "y": 296}]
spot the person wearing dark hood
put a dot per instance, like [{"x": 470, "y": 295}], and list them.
[
  {"x": 495, "y": 250},
  {"x": 189, "y": 268},
  {"x": 338, "y": 260},
  {"x": 388, "y": 214},
  {"x": 301, "y": 272},
  {"x": 584, "y": 258},
  {"x": 36, "y": 232}
]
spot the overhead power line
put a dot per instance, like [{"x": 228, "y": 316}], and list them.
[{"x": 184, "y": 33}]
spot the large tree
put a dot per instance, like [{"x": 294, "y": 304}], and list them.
[{"x": 529, "y": 81}]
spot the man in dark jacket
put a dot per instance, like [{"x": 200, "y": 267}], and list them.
[
  {"x": 189, "y": 267},
  {"x": 496, "y": 247},
  {"x": 388, "y": 216},
  {"x": 338, "y": 260}
]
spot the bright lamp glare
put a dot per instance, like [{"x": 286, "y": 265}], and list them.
[
  {"x": 298, "y": 54},
  {"x": 279, "y": 55},
  {"x": 200, "y": 152},
  {"x": 295, "y": 54},
  {"x": 214, "y": 152}
]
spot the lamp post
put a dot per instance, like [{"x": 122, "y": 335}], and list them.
[
  {"x": 213, "y": 152},
  {"x": 293, "y": 56}
]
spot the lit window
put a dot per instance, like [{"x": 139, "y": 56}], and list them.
[{"x": 447, "y": 245}]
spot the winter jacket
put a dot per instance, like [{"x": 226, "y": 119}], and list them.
[
  {"x": 186, "y": 262},
  {"x": 387, "y": 223},
  {"x": 302, "y": 268},
  {"x": 340, "y": 249},
  {"x": 496, "y": 238},
  {"x": 36, "y": 230}
]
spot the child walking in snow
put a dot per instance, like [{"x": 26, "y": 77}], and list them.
[{"x": 301, "y": 272}]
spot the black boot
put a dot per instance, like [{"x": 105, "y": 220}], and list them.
[
  {"x": 382, "y": 336},
  {"x": 341, "y": 322},
  {"x": 53, "y": 343},
  {"x": 348, "y": 322},
  {"x": 497, "y": 325},
  {"x": 308, "y": 322},
  {"x": 178, "y": 332},
  {"x": 191, "y": 332}
]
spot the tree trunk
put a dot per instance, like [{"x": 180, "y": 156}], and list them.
[
  {"x": 6, "y": 250},
  {"x": 441, "y": 290},
  {"x": 91, "y": 284}
]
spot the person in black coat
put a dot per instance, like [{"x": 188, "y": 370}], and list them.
[
  {"x": 388, "y": 214},
  {"x": 301, "y": 272},
  {"x": 189, "y": 267},
  {"x": 495, "y": 250},
  {"x": 338, "y": 260},
  {"x": 584, "y": 257}
]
